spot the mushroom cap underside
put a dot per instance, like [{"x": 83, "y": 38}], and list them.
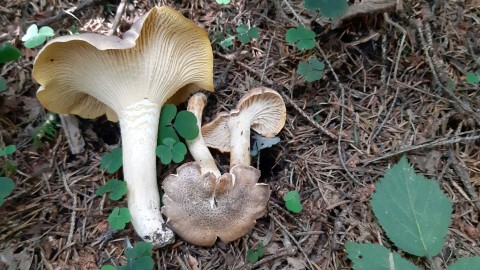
[
  {"x": 164, "y": 56},
  {"x": 262, "y": 106},
  {"x": 200, "y": 208}
]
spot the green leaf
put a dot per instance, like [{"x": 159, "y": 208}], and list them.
[
  {"x": 6, "y": 187},
  {"x": 466, "y": 264},
  {"x": 8, "y": 150},
  {"x": 376, "y": 257},
  {"x": 301, "y": 37},
  {"x": 186, "y": 125},
  {"x": 223, "y": 2},
  {"x": 227, "y": 42},
  {"x": 412, "y": 210},
  {"x": 35, "y": 37},
  {"x": 255, "y": 253},
  {"x": 165, "y": 128},
  {"x": 328, "y": 8},
  {"x": 9, "y": 53},
  {"x": 262, "y": 143},
  {"x": 3, "y": 84},
  {"x": 312, "y": 70},
  {"x": 245, "y": 34},
  {"x": 169, "y": 142},
  {"x": 164, "y": 153},
  {"x": 179, "y": 151},
  {"x": 139, "y": 257},
  {"x": 108, "y": 267},
  {"x": 119, "y": 218},
  {"x": 473, "y": 78},
  {"x": 112, "y": 161},
  {"x": 115, "y": 187},
  {"x": 292, "y": 201}
]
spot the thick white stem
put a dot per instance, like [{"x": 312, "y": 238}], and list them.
[
  {"x": 139, "y": 125},
  {"x": 239, "y": 141},
  {"x": 197, "y": 147}
]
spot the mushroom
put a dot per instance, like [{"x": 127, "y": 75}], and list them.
[
  {"x": 163, "y": 57},
  {"x": 201, "y": 205},
  {"x": 261, "y": 109}
]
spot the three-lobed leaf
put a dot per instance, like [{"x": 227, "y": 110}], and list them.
[
  {"x": 35, "y": 37},
  {"x": 223, "y": 2},
  {"x": 139, "y": 257},
  {"x": 8, "y": 150},
  {"x": 9, "y": 53},
  {"x": 311, "y": 70},
  {"x": 292, "y": 201},
  {"x": 301, "y": 37},
  {"x": 6, "y": 187},
  {"x": 184, "y": 123},
  {"x": 255, "y": 253},
  {"x": 227, "y": 42},
  {"x": 245, "y": 34},
  {"x": 115, "y": 187},
  {"x": 328, "y": 8},
  {"x": 466, "y": 264},
  {"x": 112, "y": 161},
  {"x": 119, "y": 218},
  {"x": 371, "y": 256},
  {"x": 412, "y": 210},
  {"x": 171, "y": 150}
]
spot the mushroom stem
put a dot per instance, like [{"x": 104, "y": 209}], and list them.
[
  {"x": 239, "y": 141},
  {"x": 197, "y": 146},
  {"x": 139, "y": 124}
]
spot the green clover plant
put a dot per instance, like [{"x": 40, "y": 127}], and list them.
[
  {"x": 138, "y": 257},
  {"x": 112, "y": 161},
  {"x": 311, "y": 70},
  {"x": 415, "y": 214},
  {"x": 292, "y": 201},
  {"x": 7, "y": 53},
  {"x": 227, "y": 42},
  {"x": 171, "y": 150},
  {"x": 328, "y": 8},
  {"x": 116, "y": 189},
  {"x": 119, "y": 218},
  {"x": 47, "y": 130},
  {"x": 35, "y": 37},
  {"x": 473, "y": 78},
  {"x": 6, "y": 184},
  {"x": 301, "y": 37},
  {"x": 255, "y": 253},
  {"x": 245, "y": 34}
]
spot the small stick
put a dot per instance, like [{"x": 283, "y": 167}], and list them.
[
  {"x": 118, "y": 17},
  {"x": 465, "y": 178},
  {"x": 284, "y": 253},
  {"x": 69, "y": 11}
]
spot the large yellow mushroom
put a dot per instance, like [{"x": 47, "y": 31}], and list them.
[{"x": 164, "y": 56}]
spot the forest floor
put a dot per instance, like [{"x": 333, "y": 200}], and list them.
[{"x": 394, "y": 84}]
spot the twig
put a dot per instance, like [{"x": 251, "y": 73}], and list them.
[
  {"x": 69, "y": 11},
  {"x": 293, "y": 239},
  {"x": 284, "y": 253},
  {"x": 465, "y": 178},
  {"x": 118, "y": 17},
  {"x": 439, "y": 142}
]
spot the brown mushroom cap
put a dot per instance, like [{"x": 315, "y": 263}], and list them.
[
  {"x": 163, "y": 56},
  {"x": 263, "y": 106},
  {"x": 201, "y": 208}
]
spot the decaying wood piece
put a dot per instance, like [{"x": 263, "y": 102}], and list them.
[
  {"x": 73, "y": 134},
  {"x": 368, "y": 7}
]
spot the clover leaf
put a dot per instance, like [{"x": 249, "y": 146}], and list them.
[
  {"x": 171, "y": 150},
  {"x": 223, "y": 2},
  {"x": 246, "y": 34},
  {"x": 328, "y": 8},
  {"x": 255, "y": 253},
  {"x": 9, "y": 53},
  {"x": 185, "y": 124},
  {"x": 292, "y": 201},
  {"x": 227, "y": 42},
  {"x": 115, "y": 187},
  {"x": 301, "y": 37},
  {"x": 139, "y": 257},
  {"x": 8, "y": 150},
  {"x": 112, "y": 161},
  {"x": 119, "y": 218},
  {"x": 35, "y": 37},
  {"x": 6, "y": 187},
  {"x": 473, "y": 78},
  {"x": 311, "y": 70}
]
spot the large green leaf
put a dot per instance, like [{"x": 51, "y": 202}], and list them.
[
  {"x": 376, "y": 257},
  {"x": 412, "y": 210},
  {"x": 466, "y": 264}
]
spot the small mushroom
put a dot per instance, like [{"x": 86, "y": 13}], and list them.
[
  {"x": 261, "y": 109},
  {"x": 201, "y": 205},
  {"x": 164, "y": 56}
]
